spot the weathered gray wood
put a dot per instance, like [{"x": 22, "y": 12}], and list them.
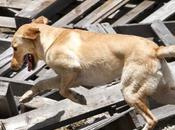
[
  {"x": 108, "y": 28},
  {"x": 95, "y": 28},
  {"x": 18, "y": 87},
  {"x": 2, "y": 127},
  {"x": 162, "y": 13},
  {"x": 76, "y": 13},
  {"x": 5, "y": 38},
  {"x": 7, "y": 22},
  {"x": 99, "y": 12},
  {"x": 8, "y": 107},
  {"x": 107, "y": 121},
  {"x": 14, "y": 11},
  {"x": 133, "y": 114},
  {"x": 97, "y": 99},
  {"x": 145, "y": 5},
  {"x": 161, "y": 113},
  {"x": 5, "y": 68},
  {"x": 163, "y": 33},
  {"x": 143, "y": 30},
  {"x": 40, "y": 7},
  {"x": 17, "y": 4},
  {"x": 38, "y": 102},
  {"x": 5, "y": 42},
  {"x": 5, "y": 57},
  {"x": 113, "y": 10}
]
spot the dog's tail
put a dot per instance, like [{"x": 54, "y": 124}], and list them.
[{"x": 166, "y": 51}]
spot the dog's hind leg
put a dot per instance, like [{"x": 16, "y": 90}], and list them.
[{"x": 137, "y": 84}]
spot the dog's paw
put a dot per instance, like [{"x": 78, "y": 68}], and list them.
[
  {"x": 81, "y": 99},
  {"x": 26, "y": 97}
]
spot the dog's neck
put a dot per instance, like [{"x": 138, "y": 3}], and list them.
[{"x": 46, "y": 39}]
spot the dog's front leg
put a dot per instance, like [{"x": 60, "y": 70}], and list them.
[
  {"x": 39, "y": 87},
  {"x": 69, "y": 80}
]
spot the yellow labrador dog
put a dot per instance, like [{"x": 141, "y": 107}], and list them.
[{"x": 91, "y": 59}]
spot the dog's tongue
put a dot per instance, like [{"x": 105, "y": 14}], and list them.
[{"x": 30, "y": 62}]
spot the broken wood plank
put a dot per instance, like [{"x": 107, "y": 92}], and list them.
[
  {"x": 5, "y": 42},
  {"x": 101, "y": 124},
  {"x": 37, "y": 102},
  {"x": 162, "y": 13},
  {"x": 40, "y": 7},
  {"x": 5, "y": 57},
  {"x": 7, "y": 22},
  {"x": 99, "y": 12},
  {"x": 8, "y": 106},
  {"x": 135, "y": 29},
  {"x": 95, "y": 28},
  {"x": 5, "y": 69},
  {"x": 112, "y": 11},
  {"x": 18, "y": 87},
  {"x": 161, "y": 113},
  {"x": 17, "y": 4},
  {"x": 108, "y": 28},
  {"x": 163, "y": 32},
  {"x": 5, "y": 38},
  {"x": 50, "y": 117},
  {"x": 145, "y": 5},
  {"x": 75, "y": 13}
]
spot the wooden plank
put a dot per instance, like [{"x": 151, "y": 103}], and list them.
[
  {"x": 108, "y": 28},
  {"x": 5, "y": 42},
  {"x": 95, "y": 28},
  {"x": 99, "y": 12},
  {"x": 112, "y": 11},
  {"x": 101, "y": 124},
  {"x": 38, "y": 102},
  {"x": 17, "y": 4},
  {"x": 52, "y": 116},
  {"x": 143, "y": 30},
  {"x": 5, "y": 38},
  {"x": 7, "y": 22},
  {"x": 5, "y": 57},
  {"x": 18, "y": 87},
  {"x": 76, "y": 13},
  {"x": 5, "y": 61},
  {"x": 162, "y": 13},
  {"x": 40, "y": 7},
  {"x": 163, "y": 33},
  {"x": 161, "y": 113},
  {"x": 5, "y": 69},
  {"x": 138, "y": 10},
  {"x": 8, "y": 106}
]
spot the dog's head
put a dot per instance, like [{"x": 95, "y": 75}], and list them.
[{"x": 23, "y": 45}]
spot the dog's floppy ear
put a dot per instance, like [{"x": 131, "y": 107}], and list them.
[
  {"x": 30, "y": 33},
  {"x": 41, "y": 20}
]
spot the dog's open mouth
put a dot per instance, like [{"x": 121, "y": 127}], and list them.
[{"x": 29, "y": 61}]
